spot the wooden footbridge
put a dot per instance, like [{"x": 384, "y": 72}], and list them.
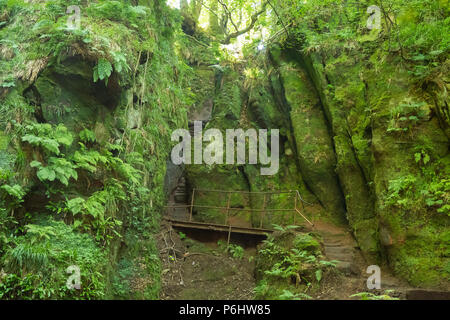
[{"x": 182, "y": 216}]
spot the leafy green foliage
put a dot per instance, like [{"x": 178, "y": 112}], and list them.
[
  {"x": 7, "y": 225},
  {"x": 56, "y": 169},
  {"x": 28, "y": 287},
  {"x": 120, "y": 61},
  {"x": 48, "y": 137},
  {"x": 371, "y": 296},
  {"x": 93, "y": 212},
  {"x": 415, "y": 33},
  {"x": 288, "y": 295},
  {"x": 405, "y": 116},
  {"x": 119, "y": 11},
  {"x": 431, "y": 189},
  {"x": 16, "y": 192},
  {"x": 301, "y": 262},
  {"x": 46, "y": 251},
  {"x": 236, "y": 251},
  {"x": 39, "y": 233},
  {"x": 102, "y": 70},
  {"x": 87, "y": 136}
]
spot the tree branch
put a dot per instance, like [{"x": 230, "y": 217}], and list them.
[
  {"x": 279, "y": 18},
  {"x": 229, "y": 14},
  {"x": 254, "y": 19}
]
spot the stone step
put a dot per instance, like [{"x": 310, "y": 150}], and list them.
[
  {"x": 334, "y": 244},
  {"x": 348, "y": 268},
  {"x": 338, "y": 251}
]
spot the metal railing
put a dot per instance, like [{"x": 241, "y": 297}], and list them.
[{"x": 297, "y": 199}]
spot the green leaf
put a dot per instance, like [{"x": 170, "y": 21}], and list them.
[
  {"x": 31, "y": 139},
  {"x": 319, "y": 275},
  {"x": 418, "y": 157},
  {"x": 76, "y": 205},
  {"x": 102, "y": 70},
  {"x": 15, "y": 191},
  {"x": 77, "y": 223},
  {"x": 51, "y": 145},
  {"x": 35, "y": 164},
  {"x": 46, "y": 173}
]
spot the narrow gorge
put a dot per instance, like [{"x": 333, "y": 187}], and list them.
[{"x": 87, "y": 116}]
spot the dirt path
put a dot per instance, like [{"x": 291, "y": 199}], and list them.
[{"x": 202, "y": 271}]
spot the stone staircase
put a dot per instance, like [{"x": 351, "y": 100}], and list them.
[
  {"x": 180, "y": 197},
  {"x": 341, "y": 247}
]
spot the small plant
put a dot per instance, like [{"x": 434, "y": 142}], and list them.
[
  {"x": 48, "y": 137},
  {"x": 39, "y": 233},
  {"x": 371, "y": 296},
  {"x": 405, "y": 116},
  {"x": 288, "y": 295},
  {"x": 87, "y": 136},
  {"x": 182, "y": 235},
  {"x": 102, "y": 70},
  {"x": 14, "y": 195},
  {"x": 283, "y": 229},
  {"x": 57, "y": 169},
  {"x": 236, "y": 251}
]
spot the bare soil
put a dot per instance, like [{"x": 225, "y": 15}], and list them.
[
  {"x": 194, "y": 270},
  {"x": 200, "y": 270}
]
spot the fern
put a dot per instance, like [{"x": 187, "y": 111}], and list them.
[
  {"x": 57, "y": 169},
  {"x": 87, "y": 136},
  {"x": 120, "y": 62},
  {"x": 288, "y": 295},
  {"x": 48, "y": 137},
  {"x": 102, "y": 70},
  {"x": 15, "y": 191},
  {"x": 27, "y": 256},
  {"x": 39, "y": 233},
  {"x": 88, "y": 160}
]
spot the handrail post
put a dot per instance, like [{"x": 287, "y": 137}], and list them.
[
  {"x": 192, "y": 205},
  {"x": 295, "y": 208},
  {"x": 227, "y": 218},
  {"x": 263, "y": 213}
]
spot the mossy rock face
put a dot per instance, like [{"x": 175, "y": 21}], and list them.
[
  {"x": 130, "y": 112},
  {"x": 203, "y": 86},
  {"x": 229, "y": 113},
  {"x": 67, "y": 94},
  {"x": 422, "y": 257},
  {"x": 223, "y": 178},
  {"x": 316, "y": 157},
  {"x": 412, "y": 248}
]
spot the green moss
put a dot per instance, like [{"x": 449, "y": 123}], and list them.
[
  {"x": 422, "y": 258},
  {"x": 306, "y": 242},
  {"x": 316, "y": 156}
]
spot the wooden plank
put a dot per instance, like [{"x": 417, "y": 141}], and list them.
[{"x": 218, "y": 227}]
